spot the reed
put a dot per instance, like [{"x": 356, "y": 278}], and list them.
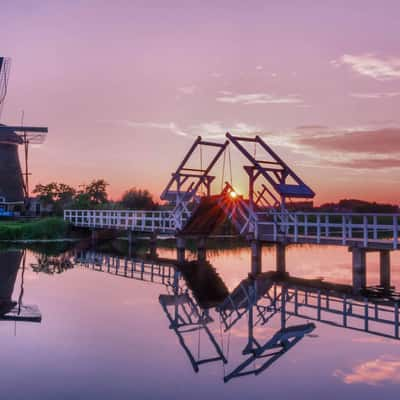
[{"x": 46, "y": 228}]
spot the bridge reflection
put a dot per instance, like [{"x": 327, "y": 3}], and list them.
[
  {"x": 282, "y": 310},
  {"x": 374, "y": 311},
  {"x": 186, "y": 318}
]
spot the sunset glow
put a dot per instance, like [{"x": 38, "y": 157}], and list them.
[{"x": 125, "y": 88}]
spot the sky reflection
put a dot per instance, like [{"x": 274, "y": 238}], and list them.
[{"x": 105, "y": 336}]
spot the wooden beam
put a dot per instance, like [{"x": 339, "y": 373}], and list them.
[{"x": 33, "y": 129}]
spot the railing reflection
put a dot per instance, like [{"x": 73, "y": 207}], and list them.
[{"x": 375, "y": 312}]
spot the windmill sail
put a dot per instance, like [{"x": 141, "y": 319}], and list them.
[{"x": 4, "y": 73}]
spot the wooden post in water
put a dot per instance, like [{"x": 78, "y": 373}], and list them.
[
  {"x": 201, "y": 249},
  {"x": 153, "y": 245},
  {"x": 280, "y": 257},
  {"x": 384, "y": 256},
  {"x": 94, "y": 236},
  {"x": 180, "y": 249},
  {"x": 131, "y": 244},
  {"x": 359, "y": 268},
  {"x": 256, "y": 257}
]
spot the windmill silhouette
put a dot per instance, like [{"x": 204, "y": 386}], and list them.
[{"x": 14, "y": 183}]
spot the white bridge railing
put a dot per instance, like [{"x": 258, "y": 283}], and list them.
[
  {"x": 140, "y": 221},
  {"x": 333, "y": 227},
  {"x": 299, "y": 227}
]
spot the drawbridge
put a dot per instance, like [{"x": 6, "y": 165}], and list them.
[{"x": 193, "y": 209}]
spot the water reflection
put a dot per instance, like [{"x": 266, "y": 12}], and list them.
[
  {"x": 187, "y": 319},
  {"x": 11, "y": 262},
  {"x": 278, "y": 311}
]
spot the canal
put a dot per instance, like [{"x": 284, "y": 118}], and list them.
[{"x": 124, "y": 327}]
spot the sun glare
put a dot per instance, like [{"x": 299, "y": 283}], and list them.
[{"x": 233, "y": 194}]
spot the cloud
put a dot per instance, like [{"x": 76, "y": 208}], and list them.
[
  {"x": 335, "y": 63},
  {"x": 187, "y": 89},
  {"x": 373, "y": 163},
  {"x": 217, "y": 130},
  {"x": 258, "y": 98},
  {"x": 210, "y": 130},
  {"x": 383, "y": 122},
  {"x": 170, "y": 126},
  {"x": 225, "y": 92},
  {"x": 376, "y": 95},
  {"x": 315, "y": 127},
  {"x": 384, "y": 369},
  {"x": 371, "y": 66},
  {"x": 356, "y": 149},
  {"x": 379, "y": 141},
  {"x": 259, "y": 67}
]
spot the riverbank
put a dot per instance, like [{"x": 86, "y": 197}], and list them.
[{"x": 51, "y": 228}]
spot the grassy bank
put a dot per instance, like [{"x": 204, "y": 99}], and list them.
[{"x": 46, "y": 228}]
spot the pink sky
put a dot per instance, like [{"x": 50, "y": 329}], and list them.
[{"x": 125, "y": 86}]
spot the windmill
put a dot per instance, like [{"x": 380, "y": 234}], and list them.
[{"x": 14, "y": 184}]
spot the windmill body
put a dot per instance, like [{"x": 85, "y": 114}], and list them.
[
  {"x": 11, "y": 178},
  {"x": 14, "y": 183}
]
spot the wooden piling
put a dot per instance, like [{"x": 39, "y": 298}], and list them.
[
  {"x": 359, "y": 268},
  {"x": 256, "y": 257},
  {"x": 280, "y": 257},
  {"x": 180, "y": 249},
  {"x": 384, "y": 256},
  {"x": 201, "y": 249}
]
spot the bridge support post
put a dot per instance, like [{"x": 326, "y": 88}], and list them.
[
  {"x": 94, "y": 236},
  {"x": 281, "y": 258},
  {"x": 130, "y": 238},
  {"x": 384, "y": 256},
  {"x": 180, "y": 249},
  {"x": 256, "y": 257},
  {"x": 131, "y": 244},
  {"x": 359, "y": 268},
  {"x": 153, "y": 245},
  {"x": 201, "y": 249}
]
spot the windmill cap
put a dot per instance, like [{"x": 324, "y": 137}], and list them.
[{"x": 8, "y": 136}]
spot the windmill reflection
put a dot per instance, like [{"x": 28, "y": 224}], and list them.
[{"x": 10, "y": 310}]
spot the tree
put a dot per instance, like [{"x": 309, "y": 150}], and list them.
[
  {"x": 47, "y": 193},
  {"x": 65, "y": 193},
  {"x": 57, "y": 195},
  {"x": 138, "y": 199},
  {"x": 96, "y": 191},
  {"x": 81, "y": 201}
]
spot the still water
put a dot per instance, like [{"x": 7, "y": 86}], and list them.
[{"x": 116, "y": 327}]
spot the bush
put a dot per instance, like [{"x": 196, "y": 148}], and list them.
[{"x": 47, "y": 228}]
